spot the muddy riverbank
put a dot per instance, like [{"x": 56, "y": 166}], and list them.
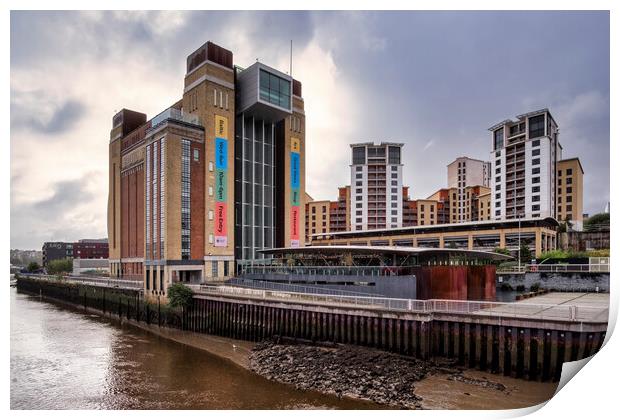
[{"x": 392, "y": 380}]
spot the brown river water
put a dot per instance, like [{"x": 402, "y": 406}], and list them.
[{"x": 63, "y": 358}]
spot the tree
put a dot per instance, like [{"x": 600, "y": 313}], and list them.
[
  {"x": 504, "y": 251},
  {"x": 33, "y": 267},
  {"x": 598, "y": 221},
  {"x": 60, "y": 266},
  {"x": 526, "y": 254},
  {"x": 180, "y": 296}
]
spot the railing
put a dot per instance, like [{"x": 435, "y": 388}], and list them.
[
  {"x": 287, "y": 287},
  {"x": 556, "y": 268},
  {"x": 378, "y": 271},
  {"x": 576, "y": 313},
  {"x": 93, "y": 281},
  {"x": 174, "y": 114}
]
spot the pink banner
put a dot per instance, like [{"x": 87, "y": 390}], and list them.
[{"x": 220, "y": 225}]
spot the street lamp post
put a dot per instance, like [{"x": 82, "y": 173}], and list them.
[{"x": 519, "y": 251}]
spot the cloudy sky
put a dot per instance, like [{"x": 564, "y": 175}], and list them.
[{"x": 432, "y": 80}]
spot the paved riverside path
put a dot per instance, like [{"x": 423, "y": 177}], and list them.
[{"x": 578, "y": 306}]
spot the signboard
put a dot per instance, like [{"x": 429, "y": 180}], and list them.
[
  {"x": 221, "y": 184},
  {"x": 295, "y": 192}
]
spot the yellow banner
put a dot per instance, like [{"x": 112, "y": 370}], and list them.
[
  {"x": 295, "y": 145},
  {"x": 221, "y": 127}
]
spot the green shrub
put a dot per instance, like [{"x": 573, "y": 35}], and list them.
[
  {"x": 60, "y": 266},
  {"x": 499, "y": 250},
  {"x": 180, "y": 296},
  {"x": 32, "y": 267},
  {"x": 535, "y": 287},
  {"x": 520, "y": 288}
]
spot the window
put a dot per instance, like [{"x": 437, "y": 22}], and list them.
[
  {"x": 536, "y": 161},
  {"x": 394, "y": 182},
  {"x": 498, "y": 187},
  {"x": 536, "y": 207},
  {"x": 324, "y": 209},
  {"x": 358, "y": 176},
  {"x": 498, "y": 204},
  {"x": 535, "y": 171},
  {"x": 196, "y": 155},
  {"x": 358, "y": 198},
  {"x": 498, "y": 212},
  {"x": 559, "y": 172},
  {"x": 210, "y": 214},
  {"x": 535, "y": 143},
  {"x": 536, "y": 188},
  {"x": 569, "y": 190},
  {"x": 537, "y": 126},
  {"x": 569, "y": 207},
  {"x": 559, "y": 199},
  {"x": 535, "y": 198},
  {"x": 394, "y": 212},
  {"x": 394, "y": 168},
  {"x": 394, "y": 154},
  {"x": 536, "y": 152},
  {"x": 569, "y": 181},
  {"x": 358, "y": 212},
  {"x": 559, "y": 191},
  {"x": 358, "y": 169},
  {"x": 560, "y": 208},
  {"x": 559, "y": 181},
  {"x": 498, "y": 196},
  {"x": 498, "y": 137},
  {"x": 498, "y": 179},
  {"x": 498, "y": 153},
  {"x": 275, "y": 90},
  {"x": 358, "y": 190},
  {"x": 214, "y": 269},
  {"x": 569, "y": 199},
  {"x": 498, "y": 170},
  {"x": 394, "y": 198},
  {"x": 358, "y": 220},
  {"x": 359, "y": 155},
  {"x": 536, "y": 180},
  {"x": 210, "y": 166},
  {"x": 394, "y": 175},
  {"x": 358, "y": 205},
  {"x": 421, "y": 207},
  {"x": 358, "y": 183},
  {"x": 569, "y": 171},
  {"x": 498, "y": 162},
  {"x": 394, "y": 190}
]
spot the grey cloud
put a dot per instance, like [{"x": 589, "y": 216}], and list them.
[{"x": 63, "y": 117}]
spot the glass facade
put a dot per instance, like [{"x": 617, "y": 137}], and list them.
[
  {"x": 275, "y": 90},
  {"x": 537, "y": 126},
  {"x": 254, "y": 186},
  {"x": 148, "y": 202},
  {"x": 162, "y": 194},
  {"x": 499, "y": 139},
  {"x": 185, "y": 199}
]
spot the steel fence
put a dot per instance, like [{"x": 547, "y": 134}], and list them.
[{"x": 429, "y": 307}]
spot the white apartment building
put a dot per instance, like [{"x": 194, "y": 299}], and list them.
[
  {"x": 523, "y": 166},
  {"x": 467, "y": 172},
  {"x": 376, "y": 186}
]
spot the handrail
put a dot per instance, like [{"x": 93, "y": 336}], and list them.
[{"x": 432, "y": 306}]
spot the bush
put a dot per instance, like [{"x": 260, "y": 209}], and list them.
[
  {"x": 33, "y": 267},
  {"x": 499, "y": 250},
  {"x": 180, "y": 296},
  {"x": 520, "y": 288},
  {"x": 535, "y": 287},
  {"x": 60, "y": 266},
  {"x": 596, "y": 222}
]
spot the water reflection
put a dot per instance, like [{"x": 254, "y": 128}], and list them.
[{"x": 65, "y": 359}]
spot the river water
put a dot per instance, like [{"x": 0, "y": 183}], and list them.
[{"x": 62, "y": 358}]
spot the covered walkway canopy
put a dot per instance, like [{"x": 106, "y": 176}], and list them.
[{"x": 354, "y": 255}]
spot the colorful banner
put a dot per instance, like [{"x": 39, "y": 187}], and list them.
[
  {"x": 221, "y": 184},
  {"x": 295, "y": 226},
  {"x": 295, "y": 191},
  {"x": 220, "y": 225}
]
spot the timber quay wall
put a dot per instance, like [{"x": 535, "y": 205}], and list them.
[{"x": 522, "y": 347}]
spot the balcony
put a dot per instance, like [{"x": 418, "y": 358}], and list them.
[{"x": 174, "y": 115}]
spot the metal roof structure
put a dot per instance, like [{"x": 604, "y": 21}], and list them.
[{"x": 388, "y": 250}]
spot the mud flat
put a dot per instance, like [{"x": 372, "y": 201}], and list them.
[{"x": 392, "y": 380}]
